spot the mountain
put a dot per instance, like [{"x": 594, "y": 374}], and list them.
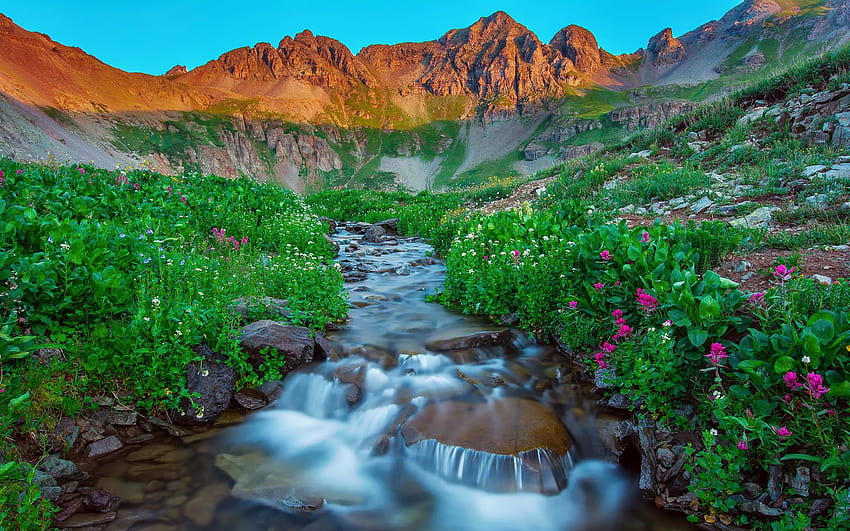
[{"x": 308, "y": 113}]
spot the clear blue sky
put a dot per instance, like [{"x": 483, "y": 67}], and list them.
[{"x": 153, "y": 35}]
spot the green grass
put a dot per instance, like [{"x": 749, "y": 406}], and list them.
[{"x": 593, "y": 102}]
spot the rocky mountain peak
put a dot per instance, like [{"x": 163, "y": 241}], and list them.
[
  {"x": 579, "y": 46},
  {"x": 176, "y": 70},
  {"x": 665, "y": 49}
]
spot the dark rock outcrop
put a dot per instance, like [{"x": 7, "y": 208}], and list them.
[
  {"x": 264, "y": 339},
  {"x": 665, "y": 50}
]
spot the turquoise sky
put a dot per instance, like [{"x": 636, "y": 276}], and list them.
[{"x": 153, "y": 35}]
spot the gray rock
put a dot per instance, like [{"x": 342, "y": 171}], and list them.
[
  {"x": 214, "y": 384},
  {"x": 757, "y": 507},
  {"x": 51, "y": 493},
  {"x": 742, "y": 266},
  {"x": 800, "y": 480},
  {"x": 843, "y": 119},
  {"x": 820, "y": 201},
  {"x": 619, "y": 403},
  {"x": 701, "y": 204},
  {"x": 603, "y": 378},
  {"x": 61, "y": 468},
  {"x": 758, "y": 218},
  {"x": 390, "y": 226},
  {"x": 270, "y": 338},
  {"x": 250, "y": 399},
  {"x": 645, "y": 154},
  {"x": 820, "y": 506},
  {"x": 174, "y": 431},
  {"x": 666, "y": 457},
  {"x": 450, "y": 340},
  {"x": 822, "y": 279},
  {"x": 88, "y": 520},
  {"x": 104, "y": 446},
  {"x": 726, "y": 210},
  {"x": 838, "y": 171},
  {"x": 374, "y": 234},
  {"x": 244, "y": 307},
  {"x": 115, "y": 418}
]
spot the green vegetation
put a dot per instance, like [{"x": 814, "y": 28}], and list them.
[{"x": 126, "y": 272}]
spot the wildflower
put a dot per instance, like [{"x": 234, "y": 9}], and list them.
[
  {"x": 184, "y": 200},
  {"x": 815, "y": 386},
  {"x": 605, "y": 255},
  {"x": 716, "y": 353},
  {"x": 623, "y": 332},
  {"x": 790, "y": 380},
  {"x": 599, "y": 357},
  {"x": 616, "y": 314},
  {"x": 2, "y": 178},
  {"x": 713, "y": 432},
  {"x": 136, "y": 186},
  {"x": 619, "y": 321},
  {"x": 82, "y": 171},
  {"x": 168, "y": 188},
  {"x": 787, "y": 399},
  {"x": 782, "y": 432},
  {"x": 573, "y": 305},
  {"x": 783, "y": 273},
  {"x": 742, "y": 444},
  {"x": 608, "y": 347},
  {"x": 644, "y": 238},
  {"x": 806, "y": 360},
  {"x": 646, "y": 300},
  {"x": 756, "y": 298},
  {"x": 598, "y": 286},
  {"x": 668, "y": 323}
]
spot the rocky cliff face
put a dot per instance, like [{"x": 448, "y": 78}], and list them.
[
  {"x": 649, "y": 115},
  {"x": 664, "y": 49},
  {"x": 579, "y": 46}
]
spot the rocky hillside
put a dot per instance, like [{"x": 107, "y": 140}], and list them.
[{"x": 310, "y": 114}]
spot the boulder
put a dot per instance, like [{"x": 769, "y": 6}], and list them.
[
  {"x": 214, "y": 384},
  {"x": 104, "y": 446},
  {"x": 245, "y": 307},
  {"x": 263, "y": 339},
  {"x": 374, "y": 234},
  {"x": 452, "y": 340},
  {"x": 390, "y": 226}
]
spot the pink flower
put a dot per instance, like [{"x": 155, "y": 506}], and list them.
[
  {"x": 619, "y": 321},
  {"x": 168, "y": 188},
  {"x": 136, "y": 186},
  {"x": 644, "y": 238},
  {"x": 783, "y": 273},
  {"x": 623, "y": 332},
  {"x": 668, "y": 323},
  {"x": 244, "y": 240},
  {"x": 742, "y": 445},
  {"x": 598, "y": 286},
  {"x": 573, "y": 305},
  {"x": 515, "y": 254},
  {"x": 605, "y": 255},
  {"x": 183, "y": 198},
  {"x": 787, "y": 399},
  {"x": 782, "y": 432},
  {"x": 486, "y": 257},
  {"x": 790, "y": 380},
  {"x": 646, "y": 300},
  {"x": 19, "y": 172},
  {"x": 82, "y": 171},
  {"x": 716, "y": 353},
  {"x": 815, "y": 386},
  {"x": 616, "y": 314},
  {"x": 608, "y": 347},
  {"x": 756, "y": 298},
  {"x": 599, "y": 357}
]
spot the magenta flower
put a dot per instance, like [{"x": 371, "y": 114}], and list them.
[
  {"x": 573, "y": 305},
  {"x": 616, "y": 314},
  {"x": 619, "y": 321},
  {"x": 756, "y": 298},
  {"x": 19, "y": 172},
  {"x": 244, "y": 240},
  {"x": 783, "y": 273},
  {"x": 790, "y": 380},
  {"x": 608, "y": 347},
  {"x": 646, "y": 300},
  {"x": 515, "y": 253},
  {"x": 782, "y": 432},
  {"x": 184, "y": 200},
  {"x": 168, "y": 188},
  {"x": 82, "y": 171},
  {"x": 605, "y": 255},
  {"x": 742, "y": 445},
  {"x": 644, "y": 238},
  {"x": 815, "y": 386},
  {"x": 599, "y": 357},
  {"x": 136, "y": 186},
  {"x": 598, "y": 286},
  {"x": 623, "y": 332},
  {"x": 716, "y": 353}
]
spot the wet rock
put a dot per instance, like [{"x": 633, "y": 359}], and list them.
[
  {"x": 151, "y": 471},
  {"x": 646, "y": 445},
  {"x": 820, "y": 506},
  {"x": 774, "y": 482},
  {"x": 201, "y": 508},
  {"x": 88, "y": 520},
  {"x": 250, "y": 399},
  {"x": 448, "y": 340},
  {"x": 375, "y": 234},
  {"x": 128, "y": 491},
  {"x": 264, "y": 339},
  {"x": 148, "y": 453},
  {"x": 99, "y": 501},
  {"x": 619, "y": 403},
  {"x": 115, "y": 418},
  {"x": 68, "y": 509},
  {"x": 752, "y": 490},
  {"x": 666, "y": 458},
  {"x": 212, "y": 385},
  {"x": 271, "y": 390},
  {"x": 603, "y": 378},
  {"x": 470, "y": 425},
  {"x": 138, "y": 439},
  {"x": 228, "y": 417},
  {"x": 104, "y": 446},
  {"x": 174, "y": 431},
  {"x": 324, "y": 349},
  {"x": 51, "y": 493},
  {"x": 376, "y": 354},
  {"x": 257, "y": 480},
  {"x": 390, "y": 226}
]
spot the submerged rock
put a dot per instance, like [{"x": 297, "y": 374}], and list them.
[{"x": 452, "y": 340}]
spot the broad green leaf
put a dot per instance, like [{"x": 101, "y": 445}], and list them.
[
  {"x": 784, "y": 364},
  {"x": 697, "y": 336},
  {"x": 709, "y": 308},
  {"x": 823, "y": 329}
]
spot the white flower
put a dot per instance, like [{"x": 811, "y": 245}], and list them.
[
  {"x": 712, "y": 430},
  {"x": 806, "y": 359}
]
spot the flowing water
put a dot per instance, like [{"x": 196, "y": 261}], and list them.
[{"x": 411, "y": 428}]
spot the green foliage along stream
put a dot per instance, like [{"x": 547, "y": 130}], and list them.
[{"x": 127, "y": 271}]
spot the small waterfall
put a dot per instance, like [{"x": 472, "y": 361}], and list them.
[{"x": 538, "y": 470}]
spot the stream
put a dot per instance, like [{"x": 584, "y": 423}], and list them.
[{"x": 429, "y": 420}]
